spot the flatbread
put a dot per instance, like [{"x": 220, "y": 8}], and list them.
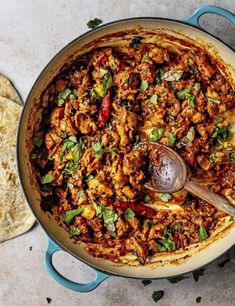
[
  {"x": 7, "y": 90},
  {"x": 15, "y": 215}
]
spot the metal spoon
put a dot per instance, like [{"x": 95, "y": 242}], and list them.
[{"x": 168, "y": 173}]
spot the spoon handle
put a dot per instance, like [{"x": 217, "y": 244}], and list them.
[{"x": 210, "y": 197}]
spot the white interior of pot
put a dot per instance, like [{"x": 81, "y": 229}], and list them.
[{"x": 25, "y": 133}]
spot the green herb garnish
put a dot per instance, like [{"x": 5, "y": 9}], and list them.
[
  {"x": 218, "y": 120},
  {"x": 197, "y": 86},
  {"x": 71, "y": 214},
  {"x": 107, "y": 83},
  {"x": 144, "y": 85},
  {"x": 147, "y": 199},
  {"x": 176, "y": 279},
  {"x": 202, "y": 233},
  {"x": 176, "y": 224},
  {"x": 48, "y": 300},
  {"x": 136, "y": 41},
  {"x": 198, "y": 299},
  {"x": 171, "y": 138},
  {"x": 69, "y": 143},
  {"x": 159, "y": 75},
  {"x": 185, "y": 94},
  {"x": 71, "y": 168},
  {"x": 154, "y": 99},
  {"x": 37, "y": 141},
  {"x": 146, "y": 282},
  {"x": 157, "y": 295},
  {"x": 222, "y": 134},
  {"x": 156, "y": 134},
  {"x": 165, "y": 243},
  {"x": 213, "y": 100},
  {"x": 33, "y": 156},
  {"x": 93, "y": 23},
  {"x": 97, "y": 149},
  {"x": 165, "y": 197},
  {"x": 197, "y": 274},
  {"x": 89, "y": 177},
  {"x": 103, "y": 71},
  {"x": 109, "y": 218},
  {"x": 62, "y": 96},
  {"x": 232, "y": 128},
  {"x": 46, "y": 179},
  {"x": 75, "y": 231},
  {"x": 129, "y": 213}
]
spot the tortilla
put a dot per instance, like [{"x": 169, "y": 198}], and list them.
[
  {"x": 15, "y": 216},
  {"x": 7, "y": 90}
]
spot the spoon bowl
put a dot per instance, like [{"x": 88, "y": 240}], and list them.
[{"x": 167, "y": 173}]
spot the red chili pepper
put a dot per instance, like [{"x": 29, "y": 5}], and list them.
[
  {"x": 104, "y": 111},
  {"x": 140, "y": 209}
]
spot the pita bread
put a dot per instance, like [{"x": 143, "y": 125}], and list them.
[
  {"x": 7, "y": 90},
  {"x": 15, "y": 215}
]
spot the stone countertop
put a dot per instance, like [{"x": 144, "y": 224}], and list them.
[{"x": 31, "y": 33}]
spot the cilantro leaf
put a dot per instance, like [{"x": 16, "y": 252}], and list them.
[
  {"x": 171, "y": 138},
  {"x": 157, "y": 295},
  {"x": 176, "y": 279},
  {"x": 143, "y": 86},
  {"x": 136, "y": 41},
  {"x": 146, "y": 282},
  {"x": 75, "y": 231},
  {"x": 46, "y": 179},
  {"x": 198, "y": 299},
  {"x": 93, "y": 23},
  {"x": 147, "y": 199},
  {"x": 71, "y": 214},
  {"x": 129, "y": 213},
  {"x": 165, "y": 197},
  {"x": 156, "y": 134},
  {"x": 37, "y": 141},
  {"x": 202, "y": 233},
  {"x": 197, "y": 274},
  {"x": 97, "y": 149},
  {"x": 154, "y": 99}
]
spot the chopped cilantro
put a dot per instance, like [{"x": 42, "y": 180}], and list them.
[
  {"x": 129, "y": 213},
  {"x": 103, "y": 71},
  {"x": 75, "y": 231},
  {"x": 202, "y": 233},
  {"x": 109, "y": 217},
  {"x": 171, "y": 138},
  {"x": 156, "y": 134},
  {"x": 37, "y": 141},
  {"x": 213, "y": 100},
  {"x": 165, "y": 197},
  {"x": 33, "y": 156},
  {"x": 197, "y": 86},
  {"x": 159, "y": 75},
  {"x": 232, "y": 128},
  {"x": 136, "y": 41},
  {"x": 147, "y": 199},
  {"x": 144, "y": 85},
  {"x": 97, "y": 149},
  {"x": 89, "y": 177},
  {"x": 146, "y": 282},
  {"x": 218, "y": 120},
  {"x": 197, "y": 274},
  {"x": 30, "y": 248},
  {"x": 198, "y": 299},
  {"x": 48, "y": 300},
  {"x": 107, "y": 83},
  {"x": 93, "y": 23},
  {"x": 46, "y": 179},
  {"x": 71, "y": 214},
  {"x": 154, "y": 99},
  {"x": 71, "y": 168},
  {"x": 157, "y": 295},
  {"x": 176, "y": 279}
]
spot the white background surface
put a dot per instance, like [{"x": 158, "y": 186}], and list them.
[{"x": 31, "y": 32}]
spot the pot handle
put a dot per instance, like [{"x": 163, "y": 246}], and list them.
[
  {"x": 206, "y": 9},
  {"x": 51, "y": 249}
]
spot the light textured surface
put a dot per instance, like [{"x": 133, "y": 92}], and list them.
[{"x": 31, "y": 33}]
